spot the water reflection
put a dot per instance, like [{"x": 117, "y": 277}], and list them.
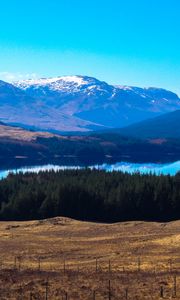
[{"x": 130, "y": 167}]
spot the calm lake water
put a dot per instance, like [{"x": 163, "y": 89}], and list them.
[{"x": 143, "y": 168}]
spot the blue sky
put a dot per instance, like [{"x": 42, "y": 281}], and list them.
[{"x": 134, "y": 42}]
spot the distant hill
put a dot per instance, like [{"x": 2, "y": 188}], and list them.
[
  {"x": 164, "y": 126},
  {"x": 20, "y": 134},
  {"x": 96, "y": 147},
  {"x": 80, "y": 103}
]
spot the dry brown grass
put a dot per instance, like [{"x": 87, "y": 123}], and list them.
[
  {"x": 138, "y": 256},
  {"x": 17, "y": 133}
]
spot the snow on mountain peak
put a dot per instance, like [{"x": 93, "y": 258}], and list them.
[
  {"x": 54, "y": 82},
  {"x": 124, "y": 87},
  {"x": 79, "y": 80}
]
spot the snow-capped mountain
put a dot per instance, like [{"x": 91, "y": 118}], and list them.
[
  {"x": 81, "y": 103},
  {"x": 56, "y": 83}
]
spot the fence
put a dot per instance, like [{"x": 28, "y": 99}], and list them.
[{"x": 98, "y": 279}]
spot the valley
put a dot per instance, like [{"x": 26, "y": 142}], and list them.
[
  {"x": 25, "y": 147},
  {"x": 89, "y": 150},
  {"x": 69, "y": 119}
]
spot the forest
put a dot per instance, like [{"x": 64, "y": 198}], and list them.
[{"x": 89, "y": 194}]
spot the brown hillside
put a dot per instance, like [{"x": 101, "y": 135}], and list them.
[{"x": 140, "y": 259}]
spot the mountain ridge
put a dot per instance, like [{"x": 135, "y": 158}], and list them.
[
  {"x": 80, "y": 103},
  {"x": 164, "y": 126}
]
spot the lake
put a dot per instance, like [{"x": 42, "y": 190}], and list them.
[{"x": 130, "y": 167}]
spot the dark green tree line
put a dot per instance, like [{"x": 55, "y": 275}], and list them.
[{"x": 90, "y": 195}]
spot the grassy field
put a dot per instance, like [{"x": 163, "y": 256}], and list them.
[{"x": 65, "y": 259}]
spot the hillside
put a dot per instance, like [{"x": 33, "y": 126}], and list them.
[
  {"x": 31, "y": 147},
  {"x": 164, "y": 126},
  {"x": 60, "y": 257},
  {"x": 80, "y": 103},
  {"x": 20, "y": 134}
]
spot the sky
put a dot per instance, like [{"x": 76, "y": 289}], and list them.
[{"x": 127, "y": 42}]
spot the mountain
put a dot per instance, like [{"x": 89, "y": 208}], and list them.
[
  {"x": 20, "y": 108},
  {"x": 80, "y": 103},
  {"x": 164, "y": 126}
]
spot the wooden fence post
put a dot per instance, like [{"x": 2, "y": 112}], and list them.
[
  {"x": 109, "y": 266},
  {"x": 19, "y": 261},
  {"x": 66, "y": 296},
  {"x": 161, "y": 292},
  {"x": 126, "y": 293},
  {"x": 15, "y": 262},
  {"x": 46, "y": 290},
  {"x": 139, "y": 264},
  {"x": 30, "y": 297},
  {"x": 109, "y": 292},
  {"x": 170, "y": 265},
  {"x": 39, "y": 263},
  {"x": 20, "y": 293},
  {"x": 175, "y": 286},
  {"x": 96, "y": 265}
]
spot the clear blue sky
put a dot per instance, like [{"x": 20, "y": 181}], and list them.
[{"x": 134, "y": 42}]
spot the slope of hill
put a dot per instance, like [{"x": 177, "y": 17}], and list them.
[
  {"x": 42, "y": 146},
  {"x": 20, "y": 134},
  {"x": 19, "y": 108},
  {"x": 80, "y": 103},
  {"x": 75, "y": 257},
  {"x": 164, "y": 126}
]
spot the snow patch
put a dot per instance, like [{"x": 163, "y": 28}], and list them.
[
  {"x": 124, "y": 87},
  {"x": 54, "y": 83}
]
